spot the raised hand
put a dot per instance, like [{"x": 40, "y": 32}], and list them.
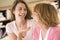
[{"x": 23, "y": 32}]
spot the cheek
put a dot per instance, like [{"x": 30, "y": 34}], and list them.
[
  {"x": 16, "y": 12},
  {"x": 26, "y": 13},
  {"x": 35, "y": 16}
]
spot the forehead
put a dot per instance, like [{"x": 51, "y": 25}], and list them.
[{"x": 20, "y": 5}]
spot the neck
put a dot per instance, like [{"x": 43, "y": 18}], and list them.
[
  {"x": 44, "y": 28},
  {"x": 43, "y": 25},
  {"x": 20, "y": 22}
]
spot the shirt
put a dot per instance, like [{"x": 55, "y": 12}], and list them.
[
  {"x": 11, "y": 28},
  {"x": 54, "y": 33},
  {"x": 46, "y": 36}
]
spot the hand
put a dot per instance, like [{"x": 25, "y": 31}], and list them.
[
  {"x": 35, "y": 16},
  {"x": 23, "y": 32}
]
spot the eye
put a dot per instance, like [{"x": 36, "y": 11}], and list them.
[
  {"x": 25, "y": 9},
  {"x": 20, "y": 8}
]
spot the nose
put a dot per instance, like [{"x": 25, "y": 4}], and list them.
[{"x": 22, "y": 11}]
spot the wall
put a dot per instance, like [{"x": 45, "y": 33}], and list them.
[{"x": 4, "y": 3}]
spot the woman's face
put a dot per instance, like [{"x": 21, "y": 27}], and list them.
[
  {"x": 35, "y": 16},
  {"x": 20, "y": 11}
]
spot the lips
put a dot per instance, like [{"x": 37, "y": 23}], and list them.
[{"x": 21, "y": 15}]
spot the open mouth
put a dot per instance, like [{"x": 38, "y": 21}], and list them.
[{"x": 21, "y": 15}]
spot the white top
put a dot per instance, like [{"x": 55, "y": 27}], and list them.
[
  {"x": 11, "y": 28},
  {"x": 46, "y": 37}
]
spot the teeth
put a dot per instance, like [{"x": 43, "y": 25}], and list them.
[{"x": 19, "y": 15}]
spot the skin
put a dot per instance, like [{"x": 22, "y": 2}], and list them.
[{"x": 21, "y": 24}]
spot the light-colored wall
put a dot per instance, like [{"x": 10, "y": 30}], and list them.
[
  {"x": 4, "y": 3},
  {"x": 31, "y": 5}
]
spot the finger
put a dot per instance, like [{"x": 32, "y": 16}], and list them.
[
  {"x": 28, "y": 29},
  {"x": 25, "y": 31}
]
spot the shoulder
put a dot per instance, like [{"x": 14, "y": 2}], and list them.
[
  {"x": 36, "y": 33},
  {"x": 55, "y": 31},
  {"x": 37, "y": 30},
  {"x": 10, "y": 24},
  {"x": 9, "y": 27},
  {"x": 56, "y": 28}
]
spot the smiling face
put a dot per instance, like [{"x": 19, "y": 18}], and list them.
[{"x": 20, "y": 11}]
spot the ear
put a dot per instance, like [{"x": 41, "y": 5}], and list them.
[{"x": 13, "y": 11}]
